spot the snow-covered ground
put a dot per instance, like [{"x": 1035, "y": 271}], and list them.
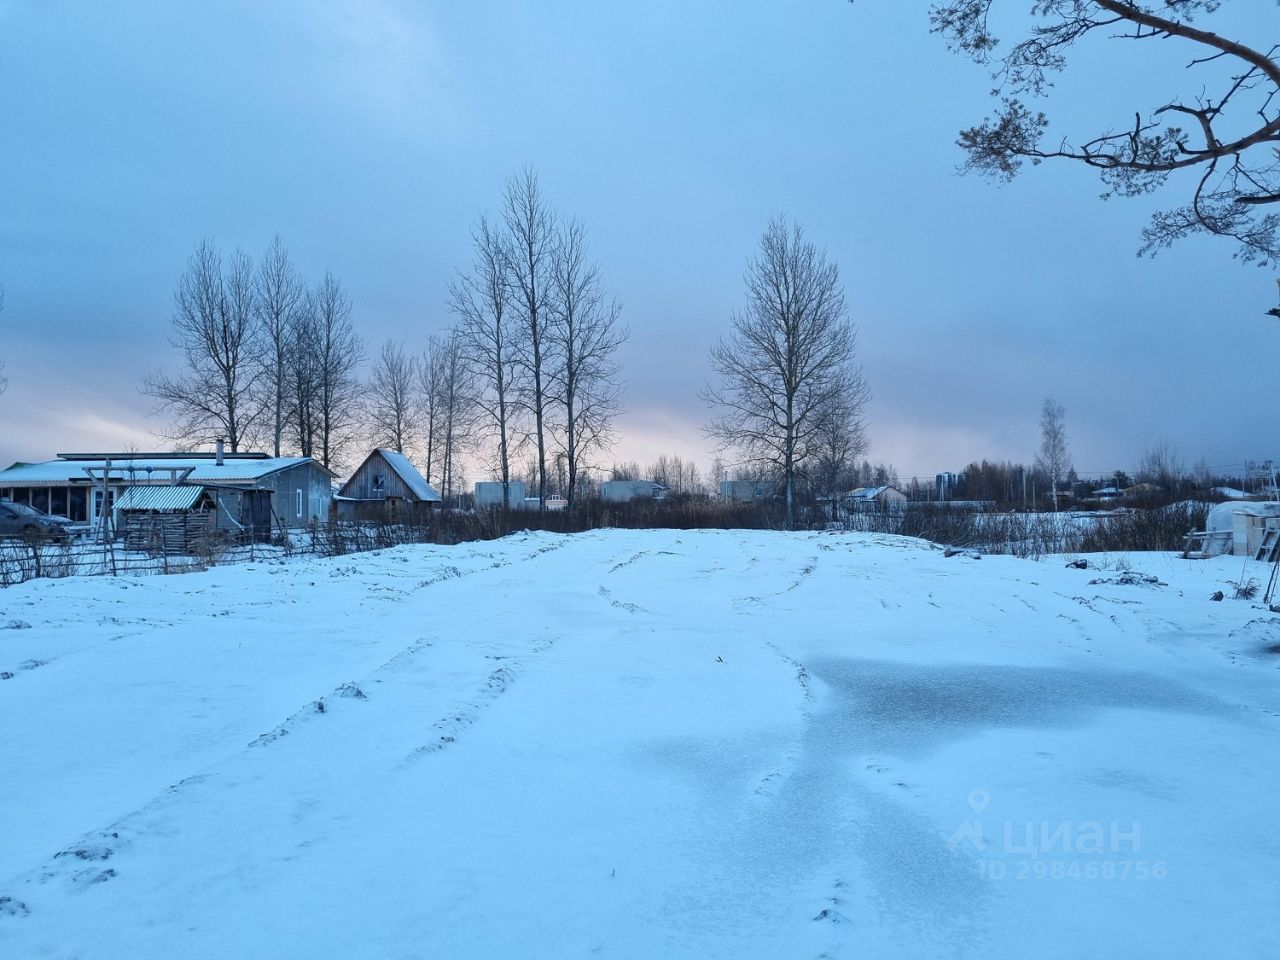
[{"x": 642, "y": 744}]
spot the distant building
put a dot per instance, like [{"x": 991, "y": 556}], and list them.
[
  {"x": 871, "y": 498},
  {"x": 489, "y": 494},
  {"x": 386, "y": 486},
  {"x": 948, "y": 485},
  {"x": 746, "y": 489},
  {"x": 85, "y": 487},
  {"x": 623, "y": 491}
]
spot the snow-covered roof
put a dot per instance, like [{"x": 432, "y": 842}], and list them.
[
  {"x": 870, "y": 493},
  {"x": 150, "y": 470},
  {"x": 410, "y": 476},
  {"x": 1231, "y": 493}
]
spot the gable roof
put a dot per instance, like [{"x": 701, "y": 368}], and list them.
[
  {"x": 409, "y": 474},
  {"x": 870, "y": 493},
  {"x": 403, "y": 468}
]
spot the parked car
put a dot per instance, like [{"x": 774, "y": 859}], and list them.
[{"x": 20, "y": 520}]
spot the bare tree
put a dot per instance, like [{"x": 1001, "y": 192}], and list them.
[
  {"x": 488, "y": 336},
  {"x": 719, "y": 474},
  {"x": 1161, "y": 465},
  {"x": 304, "y": 362},
  {"x": 430, "y": 373},
  {"x": 1232, "y": 112},
  {"x": 448, "y": 388},
  {"x": 278, "y": 296},
  {"x": 1053, "y": 458},
  {"x": 392, "y": 403},
  {"x": 531, "y": 246},
  {"x": 678, "y": 475},
  {"x": 789, "y": 358},
  {"x": 626, "y": 471},
  {"x": 213, "y": 324},
  {"x": 583, "y": 335},
  {"x": 840, "y": 439},
  {"x": 338, "y": 353}
]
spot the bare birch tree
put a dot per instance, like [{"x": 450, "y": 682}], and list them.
[
  {"x": 392, "y": 402},
  {"x": 531, "y": 246},
  {"x": 213, "y": 323},
  {"x": 488, "y": 336},
  {"x": 430, "y": 374},
  {"x": 338, "y": 353},
  {"x": 679, "y": 476},
  {"x": 583, "y": 334},
  {"x": 789, "y": 357},
  {"x": 840, "y": 439},
  {"x": 1053, "y": 458},
  {"x": 278, "y": 296},
  {"x": 456, "y": 410},
  {"x": 304, "y": 355}
]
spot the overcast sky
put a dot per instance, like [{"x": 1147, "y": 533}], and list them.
[{"x": 371, "y": 135}]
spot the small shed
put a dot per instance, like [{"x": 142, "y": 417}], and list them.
[
  {"x": 875, "y": 498},
  {"x": 181, "y": 518},
  {"x": 489, "y": 494},
  {"x": 624, "y": 491},
  {"x": 746, "y": 489},
  {"x": 387, "y": 486}
]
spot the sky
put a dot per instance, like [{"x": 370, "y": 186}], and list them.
[{"x": 372, "y": 135}]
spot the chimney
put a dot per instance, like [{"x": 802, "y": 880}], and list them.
[{"x": 220, "y": 448}]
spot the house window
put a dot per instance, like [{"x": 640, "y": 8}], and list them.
[
  {"x": 379, "y": 483},
  {"x": 297, "y": 501}
]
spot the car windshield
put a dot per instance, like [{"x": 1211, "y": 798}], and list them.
[{"x": 22, "y": 510}]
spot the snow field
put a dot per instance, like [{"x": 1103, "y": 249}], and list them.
[{"x": 640, "y": 744}]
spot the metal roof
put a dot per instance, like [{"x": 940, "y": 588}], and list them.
[
  {"x": 159, "y": 498},
  {"x": 143, "y": 470}
]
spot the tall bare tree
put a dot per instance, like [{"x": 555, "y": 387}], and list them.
[
  {"x": 1053, "y": 458},
  {"x": 392, "y": 402},
  {"x": 338, "y": 353},
  {"x": 788, "y": 359},
  {"x": 488, "y": 338},
  {"x": 531, "y": 229},
  {"x": 430, "y": 374},
  {"x": 456, "y": 410},
  {"x": 278, "y": 296},
  {"x": 840, "y": 439},
  {"x": 1162, "y": 466},
  {"x": 676, "y": 474},
  {"x": 1231, "y": 112},
  {"x": 213, "y": 323},
  {"x": 304, "y": 356},
  {"x": 583, "y": 335}
]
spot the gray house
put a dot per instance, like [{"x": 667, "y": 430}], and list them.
[
  {"x": 387, "y": 486},
  {"x": 85, "y": 487},
  {"x": 489, "y": 494},
  {"x": 875, "y": 498},
  {"x": 747, "y": 489},
  {"x": 623, "y": 491}
]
